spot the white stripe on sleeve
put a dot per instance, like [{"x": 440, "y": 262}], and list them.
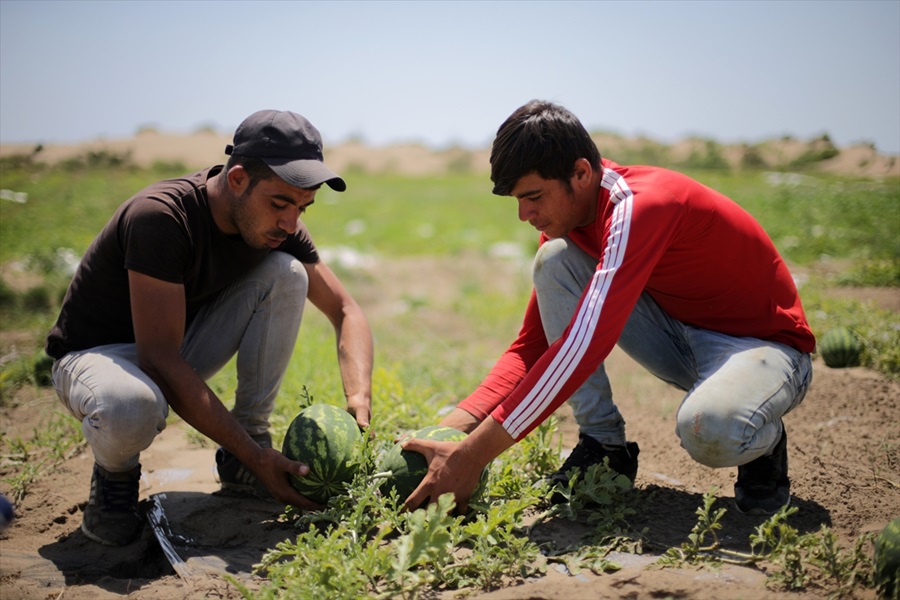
[{"x": 575, "y": 345}]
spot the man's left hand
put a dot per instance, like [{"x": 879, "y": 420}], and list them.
[
  {"x": 361, "y": 410},
  {"x": 449, "y": 471}
]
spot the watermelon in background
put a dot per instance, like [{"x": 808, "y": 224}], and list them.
[
  {"x": 887, "y": 561},
  {"x": 406, "y": 468},
  {"x": 324, "y": 437},
  {"x": 840, "y": 348}
]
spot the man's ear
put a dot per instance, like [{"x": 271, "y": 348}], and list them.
[
  {"x": 238, "y": 179},
  {"x": 583, "y": 174}
]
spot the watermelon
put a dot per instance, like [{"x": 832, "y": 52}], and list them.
[
  {"x": 407, "y": 468},
  {"x": 887, "y": 561},
  {"x": 324, "y": 437},
  {"x": 840, "y": 348},
  {"x": 43, "y": 369}
]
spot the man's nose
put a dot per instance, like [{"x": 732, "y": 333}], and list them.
[
  {"x": 288, "y": 223},
  {"x": 526, "y": 211}
]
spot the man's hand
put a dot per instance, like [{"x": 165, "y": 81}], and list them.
[
  {"x": 448, "y": 472},
  {"x": 273, "y": 471},
  {"x": 361, "y": 409},
  {"x": 455, "y": 467}
]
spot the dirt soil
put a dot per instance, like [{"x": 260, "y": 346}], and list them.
[{"x": 843, "y": 442}]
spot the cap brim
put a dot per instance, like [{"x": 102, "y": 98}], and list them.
[{"x": 306, "y": 174}]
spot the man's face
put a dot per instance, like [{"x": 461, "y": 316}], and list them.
[
  {"x": 552, "y": 207},
  {"x": 266, "y": 213}
]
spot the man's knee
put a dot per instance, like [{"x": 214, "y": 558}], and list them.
[
  {"x": 709, "y": 438},
  {"x": 287, "y": 273},
  {"x": 125, "y": 425},
  {"x": 549, "y": 259}
]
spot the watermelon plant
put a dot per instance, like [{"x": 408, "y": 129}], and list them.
[{"x": 324, "y": 437}]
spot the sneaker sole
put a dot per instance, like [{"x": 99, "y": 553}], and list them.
[{"x": 95, "y": 538}]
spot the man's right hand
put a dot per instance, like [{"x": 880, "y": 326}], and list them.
[{"x": 274, "y": 470}]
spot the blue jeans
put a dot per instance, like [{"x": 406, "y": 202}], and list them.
[
  {"x": 258, "y": 317},
  {"x": 738, "y": 388}
]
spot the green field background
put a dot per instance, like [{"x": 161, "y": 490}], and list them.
[{"x": 851, "y": 226}]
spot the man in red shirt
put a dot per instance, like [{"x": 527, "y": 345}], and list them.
[{"x": 678, "y": 275}]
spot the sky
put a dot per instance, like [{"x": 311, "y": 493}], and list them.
[{"x": 449, "y": 73}]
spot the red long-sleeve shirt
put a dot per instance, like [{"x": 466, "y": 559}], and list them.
[{"x": 702, "y": 258}]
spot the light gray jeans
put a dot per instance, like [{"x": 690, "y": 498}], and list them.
[
  {"x": 258, "y": 317},
  {"x": 738, "y": 389}
]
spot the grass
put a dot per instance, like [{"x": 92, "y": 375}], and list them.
[
  {"x": 361, "y": 544},
  {"x": 404, "y": 216}
]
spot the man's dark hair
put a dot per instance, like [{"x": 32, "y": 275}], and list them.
[
  {"x": 539, "y": 137},
  {"x": 255, "y": 168}
]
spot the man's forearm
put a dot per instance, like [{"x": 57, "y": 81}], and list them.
[
  {"x": 461, "y": 419},
  {"x": 488, "y": 441},
  {"x": 197, "y": 404},
  {"x": 355, "y": 359}
]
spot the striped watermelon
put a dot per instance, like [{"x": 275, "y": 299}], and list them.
[
  {"x": 887, "y": 561},
  {"x": 324, "y": 437},
  {"x": 840, "y": 348},
  {"x": 408, "y": 468}
]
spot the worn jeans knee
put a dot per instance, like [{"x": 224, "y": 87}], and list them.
[
  {"x": 120, "y": 408},
  {"x": 734, "y": 412}
]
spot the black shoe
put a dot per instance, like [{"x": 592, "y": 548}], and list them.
[
  {"x": 111, "y": 516},
  {"x": 622, "y": 459},
  {"x": 763, "y": 486},
  {"x": 235, "y": 477}
]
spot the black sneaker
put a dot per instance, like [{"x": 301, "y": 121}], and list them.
[
  {"x": 111, "y": 516},
  {"x": 762, "y": 486},
  {"x": 235, "y": 477},
  {"x": 588, "y": 451}
]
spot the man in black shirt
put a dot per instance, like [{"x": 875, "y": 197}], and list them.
[{"x": 186, "y": 274}]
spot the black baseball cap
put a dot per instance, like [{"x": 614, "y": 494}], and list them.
[{"x": 289, "y": 145}]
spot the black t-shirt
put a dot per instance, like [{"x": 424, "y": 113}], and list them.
[{"x": 165, "y": 231}]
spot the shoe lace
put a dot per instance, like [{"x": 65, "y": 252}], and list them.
[
  {"x": 232, "y": 470},
  {"x": 244, "y": 475},
  {"x": 119, "y": 495}
]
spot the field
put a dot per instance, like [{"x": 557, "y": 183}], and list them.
[{"x": 442, "y": 269}]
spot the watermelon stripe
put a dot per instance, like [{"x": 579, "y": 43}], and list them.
[
  {"x": 324, "y": 437},
  {"x": 840, "y": 348}
]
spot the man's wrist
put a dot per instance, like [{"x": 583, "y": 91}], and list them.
[{"x": 488, "y": 441}]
